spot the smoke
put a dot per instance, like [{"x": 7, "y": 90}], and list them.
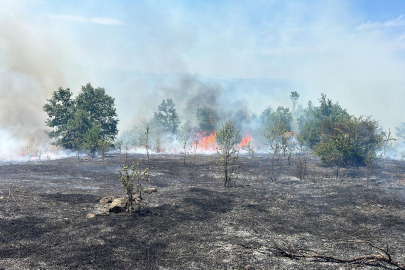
[
  {"x": 141, "y": 53},
  {"x": 30, "y": 70}
]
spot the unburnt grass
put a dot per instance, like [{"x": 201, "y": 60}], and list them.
[{"x": 193, "y": 221}]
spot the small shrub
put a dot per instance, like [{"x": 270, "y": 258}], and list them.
[
  {"x": 128, "y": 176},
  {"x": 227, "y": 139}
]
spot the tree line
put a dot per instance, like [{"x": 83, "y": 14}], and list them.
[{"x": 89, "y": 123}]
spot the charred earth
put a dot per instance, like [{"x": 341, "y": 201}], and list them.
[{"x": 193, "y": 221}]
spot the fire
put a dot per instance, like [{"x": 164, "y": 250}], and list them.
[
  {"x": 204, "y": 142},
  {"x": 244, "y": 142},
  {"x": 56, "y": 148}
]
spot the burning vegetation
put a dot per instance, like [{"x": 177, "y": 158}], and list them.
[
  {"x": 266, "y": 162},
  {"x": 88, "y": 124}
]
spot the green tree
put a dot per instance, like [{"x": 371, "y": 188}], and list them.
[
  {"x": 350, "y": 141},
  {"x": 76, "y": 122},
  {"x": 317, "y": 121},
  {"x": 294, "y": 99},
  {"x": 92, "y": 140},
  {"x": 60, "y": 109},
  {"x": 226, "y": 139},
  {"x": 166, "y": 116},
  {"x": 101, "y": 108},
  {"x": 205, "y": 119},
  {"x": 77, "y": 127},
  {"x": 270, "y": 118}
]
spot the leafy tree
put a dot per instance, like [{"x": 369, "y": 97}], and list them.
[
  {"x": 167, "y": 117},
  {"x": 270, "y": 118},
  {"x": 316, "y": 121},
  {"x": 205, "y": 119},
  {"x": 277, "y": 141},
  {"x": 101, "y": 108},
  {"x": 227, "y": 139},
  {"x": 60, "y": 109},
  {"x": 294, "y": 99},
  {"x": 92, "y": 140},
  {"x": 77, "y": 122},
  {"x": 351, "y": 141},
  {"x": 77, "y": 127}
]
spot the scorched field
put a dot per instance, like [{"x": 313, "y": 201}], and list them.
[{"x": 50, "y": 216}]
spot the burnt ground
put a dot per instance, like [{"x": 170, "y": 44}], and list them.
[{"x": 193, "y": 222}]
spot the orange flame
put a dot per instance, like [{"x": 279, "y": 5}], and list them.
[
  {"x": 56, "y": 148},
  {"x": 204, "y": 142},
  {"x": 244, "y": 142}
]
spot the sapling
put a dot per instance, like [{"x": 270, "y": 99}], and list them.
[
  {"x": 251, "y": 150},
  {"x": 128, "y": 176},
  {"x": 184, "y": 138},
  {"x": 158, "y": 145},
  {"x": 302, "y": 160},
  {"x": 227, "y": 139},
  {"x": 147, "y": 149},
  {"x": 277, "y": 142}
]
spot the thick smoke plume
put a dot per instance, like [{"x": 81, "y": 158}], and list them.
[{"x": 29, "y": 72}]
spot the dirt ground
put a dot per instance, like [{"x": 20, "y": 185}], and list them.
[{"x": 193, "y": 222}]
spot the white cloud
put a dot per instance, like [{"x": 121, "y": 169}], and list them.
[
  {"x": 72, "y": 18},
  {"x": 109, "y": 21},
  {"x": 398, "y": 22}
]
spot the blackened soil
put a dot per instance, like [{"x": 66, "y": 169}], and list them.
[{"x": 193, "y": 222}]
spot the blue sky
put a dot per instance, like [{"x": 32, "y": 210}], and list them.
[{"x": 354, "y": 51}]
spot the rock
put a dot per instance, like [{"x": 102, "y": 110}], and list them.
[
  {"x": 118, "y": 205},
  {"x": 108, "y": 199},
  {"x": 149, "y": 190},
  {"x": 91, "y": 215},
  {"x": 249, "y": 267}
]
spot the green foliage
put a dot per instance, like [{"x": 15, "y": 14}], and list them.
[
  {"x": 350, "y": 141},
  {"x": 81, "y": 123},
  {"x": 277, "y": 142},
  {"x": 101, "y": 108},
  {"x": 316, "y": 121},
  {"x": 270, "y": 118},
  {"x": 92, "y": 140},
  {"x": 339, "y": 138},
  {"x": 205, "y": 119},
  {"x": 275, "y": 137},
  {"x": 226, "y": 139},
  {"x": 166, "y": 116},
  {"x": 128, "y": 176},
  {"x": 294, "y": 99},
  {"x": 60, "y": 109}
]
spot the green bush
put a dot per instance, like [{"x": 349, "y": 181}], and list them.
[
  {"x": 338, "y": 138},
  {"x": 350, "y": 141}
]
